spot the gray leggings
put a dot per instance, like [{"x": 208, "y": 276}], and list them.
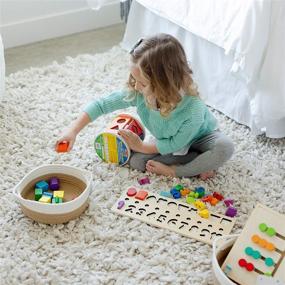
[{"x": 208, "y": 153}]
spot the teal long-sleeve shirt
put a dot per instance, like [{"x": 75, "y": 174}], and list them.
[{"x": 189, "y": 121}]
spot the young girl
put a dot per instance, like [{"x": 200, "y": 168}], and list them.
[{"x": 187, "y": 139}]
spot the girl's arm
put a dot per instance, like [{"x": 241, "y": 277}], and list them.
[
  {"x": 149, "y": 148},
  {"x": 82, "y": 121},
  {"x": 70, "y": 134},
  {"x": 115, "y": 101},
  {"x": 136, "y": 144}
]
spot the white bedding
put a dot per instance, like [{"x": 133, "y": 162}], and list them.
[
  {"x": 251, "y": 35},
  {"x": 240, "y": 26}
]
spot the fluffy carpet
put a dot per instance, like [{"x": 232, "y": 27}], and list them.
[{"x": 101, "y": 247}]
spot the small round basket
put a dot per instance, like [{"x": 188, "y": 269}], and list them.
[
  {"x": 75, "y": 183},
  {"x": 221, "y": 248}
]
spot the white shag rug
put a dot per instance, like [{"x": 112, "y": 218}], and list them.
[{"x": 101, "y": 247}]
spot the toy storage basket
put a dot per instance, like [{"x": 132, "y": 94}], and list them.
[
  {"x": 76, "y": 184},
  {"x": 221, "y": 247}
]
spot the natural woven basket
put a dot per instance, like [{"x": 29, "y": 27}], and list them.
[{"x": 75, "y": 183}]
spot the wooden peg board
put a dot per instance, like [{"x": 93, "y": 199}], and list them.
[
  {"x": 174, "y": 215},
  {"x": 260, "y": 214}
]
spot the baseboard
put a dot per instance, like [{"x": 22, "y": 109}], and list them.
[{"x": 57, "y": 25}]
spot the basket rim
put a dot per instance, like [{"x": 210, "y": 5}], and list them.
[{"x": 88, "y": 181}]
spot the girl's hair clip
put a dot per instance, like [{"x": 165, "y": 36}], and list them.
[{"x": 136, "y": 45}]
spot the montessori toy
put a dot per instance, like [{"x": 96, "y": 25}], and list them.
[
  {"x": 144, "y": 180},
  {"x": 41, "y": 191},
  {"x": 172, "y": 214},
  {"x": 259, "y": 250},
  {"x": 199, "y": 198},
  {"x": 62, "y": 147},
  {"x": 231, "y": 211},
  {"x": 110, "y": 146},
  {"x": 54, "y": 183}
]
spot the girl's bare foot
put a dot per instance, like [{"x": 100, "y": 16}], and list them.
[
  {"x": 207, "y": 175},
  {"x": 160, "y": 168}
]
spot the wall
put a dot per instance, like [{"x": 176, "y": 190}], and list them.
[{"x": 27, "y": 21}]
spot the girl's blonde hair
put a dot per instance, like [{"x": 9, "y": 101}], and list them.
[{"x": 162, "y": 61}]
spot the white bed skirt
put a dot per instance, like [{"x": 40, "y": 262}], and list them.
[{"x": 219, "y": 87}]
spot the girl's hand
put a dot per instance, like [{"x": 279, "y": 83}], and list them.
[
  {"x": 68, "y": 136},
  {"x": 133, "y": 140}
]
